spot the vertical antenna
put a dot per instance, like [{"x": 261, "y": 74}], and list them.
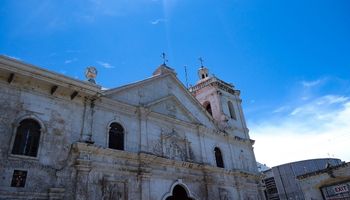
[{"x": 186, "y": 76}]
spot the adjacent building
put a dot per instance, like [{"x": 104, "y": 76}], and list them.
[
  {"x": 281, "y": 181},
  {"x": 331, "y": 183},
  {"x": 63, "y": 138}
]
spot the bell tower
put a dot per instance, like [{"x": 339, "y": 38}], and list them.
[
  {"x": 222, "y": 101},
  {"x": 203, "y": 73}
]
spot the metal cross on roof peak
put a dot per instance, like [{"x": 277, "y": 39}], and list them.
[{"x": 165, "y": 60}]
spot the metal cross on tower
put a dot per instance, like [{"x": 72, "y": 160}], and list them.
[
  {"x": 201, "y": 60},
  {"x": 165, "y": 60}
]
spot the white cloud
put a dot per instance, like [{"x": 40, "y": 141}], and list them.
[
  {"x": 157, "y": 21},
  {"x": 317, "y": 129},
  {"x": 280, "y": 109},
  {"x": 105, "y": 65}
]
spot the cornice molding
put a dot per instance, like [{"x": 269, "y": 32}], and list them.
[
  {"x": 149, "y": 161},
  {"x": 24, "y": 69}
]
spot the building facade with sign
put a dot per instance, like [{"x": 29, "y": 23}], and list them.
[
  {"x": 332, "y": 183},
  {"x": 63, "y": 138},
  {"x": 281, "y": 181}
]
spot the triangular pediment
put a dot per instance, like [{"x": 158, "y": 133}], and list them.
[
  {"x": 163, "y": 94},
  {"x": 172, "y": 107}
]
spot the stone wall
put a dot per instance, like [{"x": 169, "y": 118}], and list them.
[{"x": 161, "y": 149}]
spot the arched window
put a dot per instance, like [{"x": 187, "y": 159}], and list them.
[
  {"x": 27, "y": 138},
  {"x": 116, "y": 136},
  {"x": 207, "y": 107},
  {"x": 218, "y": 158},
  {"x": 232, "y": 110}
]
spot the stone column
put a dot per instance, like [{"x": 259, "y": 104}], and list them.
[
  {"x": 240, "y": 190},
  {"x": 83, "y": 167},
  {"x": 143, "y": 113},
  {"x": 144, "y": 179},
  {"x": 88, "y": 119},
  {"x": 201, "y": 130}
]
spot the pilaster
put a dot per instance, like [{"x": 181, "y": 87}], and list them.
[
  {"x": 88, "y": 120},
  {"x": 143, "y": 114},
  {"x": 144, "y": 179},
  {"x": 83, "y": 167}
]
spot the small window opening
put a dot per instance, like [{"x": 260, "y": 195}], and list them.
[
  {"x": 207, "y": 107},
  {"x": 116, "y": 136},
  {"x": 218, "y": 158},
  {"x": 19, "y": 178},
  {"x": 27, "y": 138},
  {"x": 203, "y": 76},
  {"x": 232, "y": 110}
]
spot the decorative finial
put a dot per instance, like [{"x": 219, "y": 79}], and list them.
[
  {"x": 165, "y": 60},
  {"x": 90, "y": 74},
  {"x": 201, "y": 61}
]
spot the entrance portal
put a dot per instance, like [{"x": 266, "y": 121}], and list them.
[{"x": 179, "y": 193}]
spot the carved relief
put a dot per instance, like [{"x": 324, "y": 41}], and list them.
[
  {"x": 113, "y": 190},
  {"x": 171, "y": 145},
  {"x": 224, "y": 194},
  {"x": 174, "y": 151}
]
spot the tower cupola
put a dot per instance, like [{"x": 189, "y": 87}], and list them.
[{"x": 203, "y": 72}]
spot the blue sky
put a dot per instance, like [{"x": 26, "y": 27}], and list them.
[{"x": 290, "y": 59}]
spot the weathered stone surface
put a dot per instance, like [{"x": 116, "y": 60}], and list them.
[{"x": 169, "y": 140}]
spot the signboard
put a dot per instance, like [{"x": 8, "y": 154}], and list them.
[{"x": 339, "y": 191}]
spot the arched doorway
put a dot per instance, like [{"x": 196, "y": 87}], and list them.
[{"x": 179, "y": 193}]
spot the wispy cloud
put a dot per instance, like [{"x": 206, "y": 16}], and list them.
[
  {"x": 319, "y": 128},
  {"x": 309, "y": 84},
  {"x": 157, "y": 21},
  {"x": 70, "y": 60},
  {"x": 105, "y": 65},
  {"x": 281, "y": 109}
]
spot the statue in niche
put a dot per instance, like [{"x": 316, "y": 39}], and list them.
[{"x": 112, "y": 190}]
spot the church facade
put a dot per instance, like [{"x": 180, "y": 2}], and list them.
[{"x": 63, "y": 138}]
